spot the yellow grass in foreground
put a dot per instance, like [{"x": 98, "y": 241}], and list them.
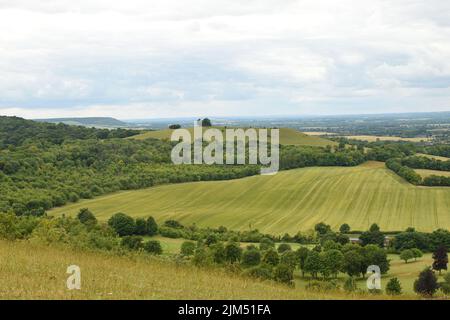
[{"x": 30, "y": 271}]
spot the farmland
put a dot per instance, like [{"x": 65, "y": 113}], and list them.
[
  {"x": 287, "y": 202},
  {"x": 287, "y": 137},
  {"x": 426, "y": 173},
  {"x": 387, "y": 138}
]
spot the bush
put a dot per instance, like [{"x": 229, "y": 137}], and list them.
[
  {"x": 283, "y": 248},
  {"x": 141, "y": 227},
  {"x": 251, "y": 258},
  {"x": 152, "y": 227},
  {"x": 406, "y": 255},
  {"x": 350, "y": 284},
  {"x": 86, "y": 217},
  {"x": 132, "y": 242},
  {"x": 266, "y": 244},
  {"x": 263, "y": 272},
  {"x": 233, "y": 252},
  {"x": 426, "y": 284},
  {"x": 187, "y": 248},
  {"x": 445, "y": 285},
  {"x": 123, "y": 224},
  {"x": 394, "y": 287},
  {"x": 271, "y": 257},
  {"x": 284, "y": 274},
  {"x": 153, "y": 247}
]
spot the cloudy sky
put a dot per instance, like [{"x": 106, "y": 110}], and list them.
[{"x": 169, "y": 58}]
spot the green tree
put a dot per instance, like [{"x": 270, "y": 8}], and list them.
[
  {"x": 123, "y": 224},
  {"x": 187, "y": 248},
  {"x": 373, "y": 236},
  {"x": 132, "y": 242},
  {"x": 218, "y": 252},
  {"x": 344, "y": 228},
  {"x": 406, "y": 255},
  {"x": 333, "y": 261},
  {"x": 251, "y": 258},
  {"x": 266, "y": 244},
  {"x": 445, "y": 285},
  {"x": 302, "y": 254},
  {"x": 440, "y": 258},
  {"x": 426, "y": 284},
  {"x": 289, "y": 258},
  {"x": 417, "y": 253},
  {"x": 271, "y": 257},
  {"x": 141, "y": 227},
  {"x": 322, "y": 228},
  {"x": 153, "y": 247},
  {"x": 353, "y": 263},
  {"x": 233, "y": 252},
  {"x": 86, "y": 217},
  {"x": 394, "y": 287},
  {"x": 206, "y": 123},
  {"x": 313, "y": 263},
  {"x": 283, "y": 248},
  {"x": 152, "y": 226},
  {"x": 284, "y": 274}
]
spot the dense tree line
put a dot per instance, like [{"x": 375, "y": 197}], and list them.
[{"x": 403, "y": 171}]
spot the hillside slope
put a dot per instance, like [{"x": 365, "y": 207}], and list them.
[
  {"x": 99, "y": 122},
  {"x": 39, "y": 272},
  {"x": 288, "y": 202},
  {"x": 288, "y": 136}
]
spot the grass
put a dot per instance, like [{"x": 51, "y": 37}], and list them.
[
  {"x": 287, "y": 137},
  {"x": 30, "y": 271},
  {"x": 387, "y": 138},
  {"x": 433, "y": 157},
  {"x": 426, "y": 173},
  {"x": 289, "y": 201}
]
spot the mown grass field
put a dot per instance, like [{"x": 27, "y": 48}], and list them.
[
  {"x": 289, "y": 201},
  {"x": 30, "y": 271},
  {"x": 426, "y": 173},
  {"x": 433, "y": 157},
  {"x": 386, "y": 138},
  {"x": 287, "y": 137}
]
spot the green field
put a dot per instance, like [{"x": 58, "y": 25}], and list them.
[
  {"x": 433, "y": 157},
  {"x": 287, "y": 137},
  {"x": 426, "y": 173},
  {"x": 387, "y": 138},
  {"x": 287, "y": 202}
]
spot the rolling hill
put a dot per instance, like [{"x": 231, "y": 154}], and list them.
[
  {"x": 98, "y": 122},
  {"x": 287, "y": 202},
  {"x": 288, "y": 136}
]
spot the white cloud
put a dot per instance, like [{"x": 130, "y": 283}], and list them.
[{"x": 223, "y": 57}]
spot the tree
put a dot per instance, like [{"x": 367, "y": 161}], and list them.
[
  {"x": 206, "y": 123},
  {"x": 123, "y": 224},
  {"x": 152, "y": 227},
  {"x": 233, "y": 252},
  {"x": 187, "y": 248},
  {"x": 211, "y": 239},
  {"x": 353, "y": 263},
  {"x": 153, "y": 247},
  {"x": 406, "y": 255},
  {"x": 174, "y": 126},
  {"x": 283, "y": 248},
  {"x": 218, "y": 253},
  {"x": 345, "y": 228},
  {"x": 289, "y": 258},
  {"x": 440, "y": 258},
  {"x": 266, "y": 244},
  {"x": 426, "y": 284},
  {"x": 86, "y": 217},
  {"x": 271, "y": 257},
  {"x": 332, "y": 262},
  {"x": 284, "y": 274},
  {"x": 417, "y": 253},
  {"x": 132, "y": 242},
  {"x": 302, "y": 254},
  {"x": 141, "y": 227},
  {"x": 322, "y": 228},
  {"x": 251, "y": 257},
  {"x": 394, "y": 287},
  {"x": 373, "y": 236},
  {"x": 445, "y": 285},
  {"x": 313, "y": 263}
]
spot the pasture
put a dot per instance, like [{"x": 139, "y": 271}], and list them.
[
  {"x": 386, "y": 138},
  {"x": 289, "y": 201}
]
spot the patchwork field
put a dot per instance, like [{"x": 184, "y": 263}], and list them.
[
  {"x": 287, "y": 137},
  {"x": 287, "y": 202},
  {"x": 386, "y": 138}
]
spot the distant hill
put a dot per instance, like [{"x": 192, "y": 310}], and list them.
[
  {"x": 99, "y": 122},
  {"x": 288, "y": 136}
]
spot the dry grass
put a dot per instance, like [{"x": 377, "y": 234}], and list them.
[
  {"x": 387, "y": 138},
  {"x": 29, "y": 271}
]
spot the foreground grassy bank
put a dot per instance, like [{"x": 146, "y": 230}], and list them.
[
  {"x": 31, "y": 271},
  {"x": 289, "y": 201}
]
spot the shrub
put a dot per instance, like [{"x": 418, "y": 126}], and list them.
[
  {"x": 266, "y": 244},
  {"x": 86, "y": 217},
  {"x": 132, "y": 242},
  {"x": 251, "y": 258},
  {"x": 271, "y": 257},
  {"x": 233, "y": 252},
  {"x": 263, "y": 272},
  {"x": 153, "y": 247},
  {"x": 350, "y": 284},
  {"x": 284, "y": 274},
  {"x": 445, "y": 285},
  {"x": 152, "y": 227},
  {"x": 123, "y": 224},
  {"x": 426, "y": 284},
  {"x": 406, "y": 255},
  {"x": 283, "y": 248},
  {"x": 187, "y": 248},
  {"x": 394, "y": 287},
  {"x": 141, "y": 227}
]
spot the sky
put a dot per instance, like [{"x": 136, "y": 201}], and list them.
[{"x": 170, "y": 58}]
